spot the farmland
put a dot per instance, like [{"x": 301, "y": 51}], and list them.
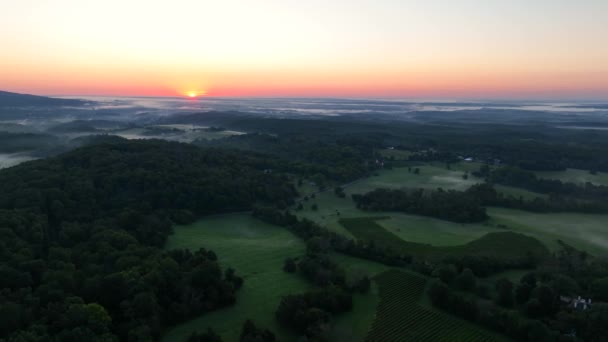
[
  {"x": 256, "y": 251},
  {"x": 400, "y": 315},
  {"x": 507, "y": 245},
  {"x": 575, "y": 176},
  {"x": 584, "y": 231}
]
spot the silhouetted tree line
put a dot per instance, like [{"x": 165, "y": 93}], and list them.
[
  {"x": 451, "y": 205},
  {"x": 81, "y": 237}
]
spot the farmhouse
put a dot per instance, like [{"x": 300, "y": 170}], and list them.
[{"x": 577, "y": 303}]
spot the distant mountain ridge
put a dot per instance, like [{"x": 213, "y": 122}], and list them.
[{"x": 8, "y": 99}]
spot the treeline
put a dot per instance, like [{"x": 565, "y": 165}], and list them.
[
  {"x": 468, "y": 206},
  {"x": 488, "y": 196},
  {"x": 451, "y": 205},
  {"x": 249, "y": 333},
  {"x": 81, "y": 237},
  {"x": 492, "y": 317},
  {"x": 310, "y": 313},
  {"x": 540, "y": 307},
  {"x": 307, "y": 230},
  {"x": 316, "y": 156},
  {"x": 514, "y": 176}
]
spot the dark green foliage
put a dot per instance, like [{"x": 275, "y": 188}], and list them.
[
  {"x": 83, "y": 231},
  {"x": 316, "y": 155},
  {"x": 465, "y": 280},
  {"x": 588, "y": 198},
  {"x": 310, "y": 313},
  {"x": 208, "y": 336},
  {"x": 322, "y": 238},
  {"x": 339, "y": 191},
  {"x": 251, "y": 333},
  {"x": 400, "y": 317},
  {"x": 600, "y": 289},
  {"x": 523, "y": 292},
  {"x": 449, "y": 205},
  {"x": 321, "y": 271},
  {"x": 504, "y": 293},
  {"x": 445, "y": 272},
  {"x": 489, "y": 254},
  {"x": 290, "y": 265}
]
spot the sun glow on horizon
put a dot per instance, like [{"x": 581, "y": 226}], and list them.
[
  {"x": 194, "y": 94},
  {"x": 390, "y": 48}
]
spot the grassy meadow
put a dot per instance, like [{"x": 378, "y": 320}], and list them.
[
  {"x": 584, "y": 231},
  {"x": 256, "y": 251},
  {"x": 575, "y": 176},
  {"x": 505, "y": 244}
]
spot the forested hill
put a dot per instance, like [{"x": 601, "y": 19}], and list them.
[
  {"x": 80, "y": 237},
  {"x": 8, "y": 99}
]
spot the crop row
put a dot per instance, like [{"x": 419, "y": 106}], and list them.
[{"x": 400, "y": 317}]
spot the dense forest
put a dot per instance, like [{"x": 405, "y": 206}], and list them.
[
  {"x": 81, "y": 237},
  {"x": 451, "y": 205},
  {"x": 323, "y": 158}
]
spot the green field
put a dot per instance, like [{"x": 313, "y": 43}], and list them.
[
  {"x": 505, "y": 244},
  {"x": 575, "y": 176},
  {"x": 584, "y": 231},
  {"x": 401, "y": 317},
  {"x": 354, "y": 325},
  {"x": 257, "y": 251},
  {"x": 430, "y": 177}
]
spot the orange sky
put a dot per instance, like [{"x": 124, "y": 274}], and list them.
[{"x": 358, "y": 48}]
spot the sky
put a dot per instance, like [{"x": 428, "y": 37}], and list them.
[{"x": 451, "y": 49}]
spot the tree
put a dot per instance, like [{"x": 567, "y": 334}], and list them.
[
  {"x": 504, "y": 293},
  {"x": 465, "y": 280},
  {"x": 339, "y": 192},
  {"x": 599, "y": 289},
  {"x": 564, "y": 285},
  {"x": 445, "y": 272},
  {"x": 208, "y": 336},
  {"x": 251, "y": 333},
  {"x": 289, "y": 266},
  {"x": 522, "y": 293},
  {"x": 439, "y": 294}
]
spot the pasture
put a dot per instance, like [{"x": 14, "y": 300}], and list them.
[
  {"x": 256, "y": 251},
  {"x": 584, "y": 231},
  {"x": 575, "y": 176},
  {"x": 504, "y": 244},
  {"x": 401, "y": 317}
]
